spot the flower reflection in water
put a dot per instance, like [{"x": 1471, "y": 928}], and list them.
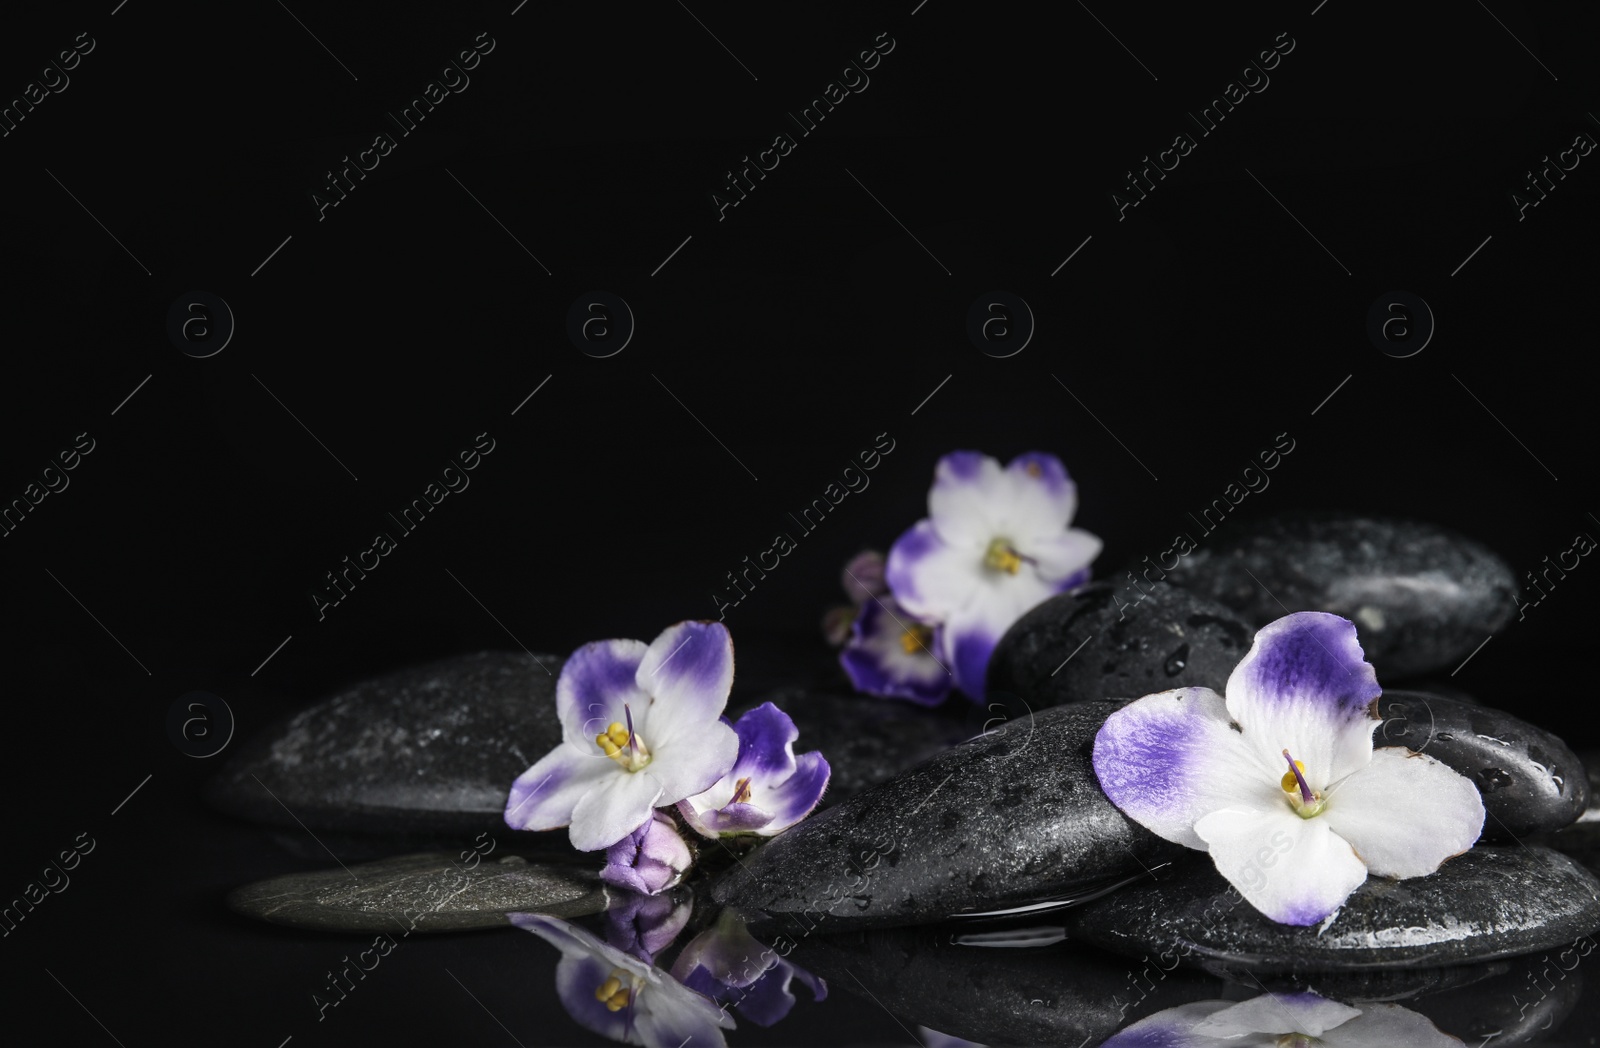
[
  {"x": 614, "y": 989},
  {"x": 616, "y": 995},
  {"x": 727, "y": 963},
  {"x": 1293, "y": 1020}
]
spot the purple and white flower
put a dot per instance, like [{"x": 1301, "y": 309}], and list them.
[
  {"x": 891, "y": 654},
  {"x": 996, "y": 543},
  {"x": 768, "y": 789},
  {"x": 621, "y": 997},
  {"x": 641, "y": 727},
  {"x": 649, "y": 860},
  {"x": 1280, "y": 783},
  {"x": 1295, "y": 1020},
  {"x": 644, "y": 925},
  {"x": 728, "y": 964}
]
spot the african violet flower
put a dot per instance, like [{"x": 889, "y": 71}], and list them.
[
  {"x": 649, "y": 860},
  {"x": 1280, "y": 781},
  {"x": 995, "y": 544},
  {"x": 768, "y": 789},
  {"x": 862, "y": 580},
  {"x": 644, "y": 925},
  {"x": 641, "y": 728},
  {"x": 623, "y": 998},
  {"x": 891, "y": 654},
  {"x": 728, "y": 964},
  {"x": 1295, "y": 1020}
]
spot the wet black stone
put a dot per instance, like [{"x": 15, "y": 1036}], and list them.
[
  {"x": 1530, "y": 781},
  {"x": 430, "y": 748},
  {"x": 867, "y": 740},
  {"x": 1489, "y": 903},
  {"x": 1421, "y": 596},
  {"x": 1011, "y": 818},
  {"x": 1096, "y": 642},
  {"x": 1062, "y": 994},
  {"x": 429, "y": 892}
]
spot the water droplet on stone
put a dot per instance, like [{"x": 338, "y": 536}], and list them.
[{"x": 1177, "y": 661}]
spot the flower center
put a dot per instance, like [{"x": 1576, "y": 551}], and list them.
[
  {"x": 741, "y": 791},
  {"x": 624, "y": 745},
  {"x": 1001, "y": 556},
  {"x": 1305, "y": 801},
  {"x": 616, "y": 991},
  {"x": 1298, "y": 1040},
  {"x": 916, "y": 638}
]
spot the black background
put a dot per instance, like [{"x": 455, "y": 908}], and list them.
[{"x": 796, "y": 330}]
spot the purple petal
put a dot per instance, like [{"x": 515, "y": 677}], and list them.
[
  {"x": 544, "y": 796},
  {"x": 766, "y": 745},
  {"x": 1169, "y": 759},
  {"x": 644, "y": 925},
  {"x": 1171, "y": 1028},
  {"x": 967, "y": 652},
  {"x": 736, "y": 818},
  {"x": 878, "y": 664},
  {"x": 769, "y": 998},
  {"x": 594, "y": 685},
  {"x": 797, "y": 795},
  {"x": 1305, "y": 686},
  {"x": 689, "y": 671},
  {"x": 862, "y": 578},
  {"x": 1039, "y": 498}
]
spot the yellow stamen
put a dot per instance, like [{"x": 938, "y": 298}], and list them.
[
  {"x": 741, "y": 791},
  {"x": 916, "y": 638},
  {"x": 1289, "y": 783},
  {"x": 626, "y": 749},
  {"x": 1001, "y": 557},
  {"x": 613, "y": 992}
]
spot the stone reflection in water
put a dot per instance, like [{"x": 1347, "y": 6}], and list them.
[
  {"x": 967, "y": 985},
  {"x": 1298, "y": 1020}
]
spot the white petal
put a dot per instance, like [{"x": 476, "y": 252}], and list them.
[
  {"x": 1060, "y": 555},
  {"x": 1405, "y": 813},
  {"x": 1041, "y": 498},
  {"x": 544, "y": 796},
  {"x": 1279, "y": 1013},
  {"x": 1172, "y": 758},
  {"x": 614, "y": 808},
  {"x": 684, "y": 763},
  {"x": 1296, "y": 871},
  {"x": 931, "y": 577},
  {"x": 1388, "y": 1026},
  {"x": 969, "y": 489},
  {"x": 1171, "y": 1028}
]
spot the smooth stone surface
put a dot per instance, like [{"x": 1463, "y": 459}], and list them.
[
  {"x": 1096, "y": 643},
  {"x": 1530, "y": 781},
  {"x": 867, "y": 740},
  {"x": 1011, "y": 818},
  {"x": 1063, "y": 994},
  {"x": 430, "y": 892},
  {"x": 1489, "y": 903},
  {"x": 1422, "y": 597},
  {"x": 433, "y": 747}
]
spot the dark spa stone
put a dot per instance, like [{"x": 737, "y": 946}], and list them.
[
  {"x": 866, "y": 740},
  {"x": 1099, "y": 642},
  {"x": 1530, "y": 781},
  {"x": 430, "y": 892},
  {"x": 429, "y": 748},
  {"x": 1422, "y": 597},
  {"x": 1012, "y": 818},
  {"x": 1061, "y": 994},
  {"x": 1489, "y": 903}
]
